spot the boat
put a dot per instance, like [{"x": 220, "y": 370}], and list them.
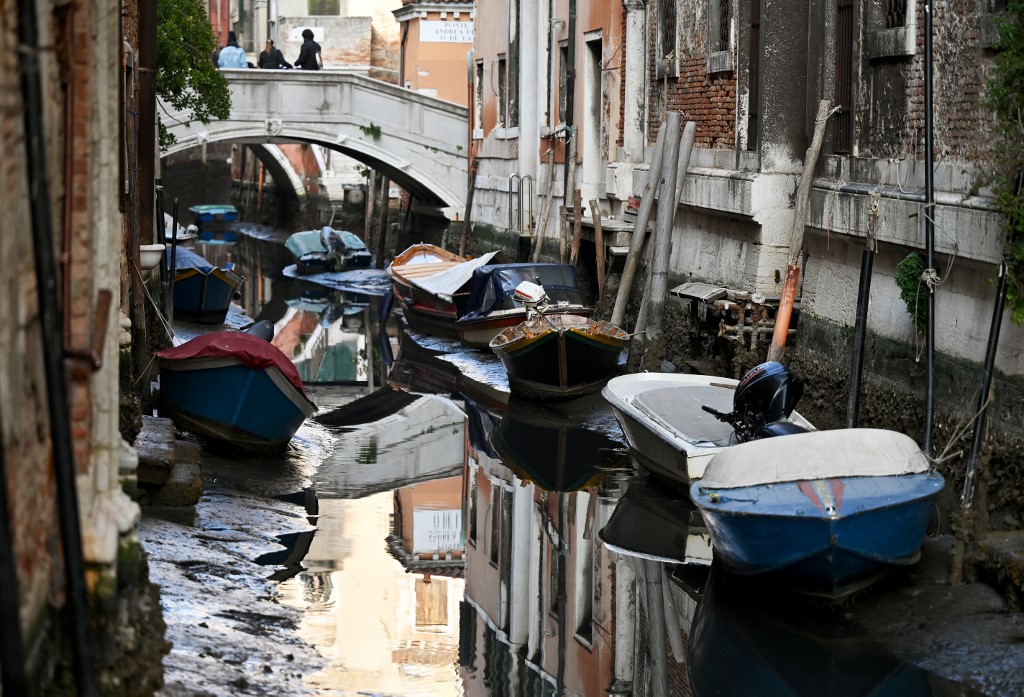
[
  {"x": 213, "y": 213},
  {"x": 746, "y": 642},
  {"x": 556, "y": 450},
  {"x": 494, "y": 306},
  {"x": 212, "y": 220},
  {"x": 182, "y": 235},
  {"x": 559, "y": 356},
  {"x": 319, "y": 251},
  {"x": 234, "y": 388},
  {"x": 203, "y": 292},
  {"x": 824, "y": 513},
  {"x": 672, "y": 434},
  {"x": 653, "y": 522},
  {"x": 431, "y": 284}
]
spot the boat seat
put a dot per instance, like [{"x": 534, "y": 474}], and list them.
[
  {"x": 410, "y": 271},
  {"x": 678, "y": 409}
]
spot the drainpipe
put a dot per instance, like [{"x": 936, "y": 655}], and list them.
[
  {"x": 49, "y": 315},
  {"x": 929, "y": 232},
  {"x": 569, "y": 176},
  {"x": 147, "y": 121},
  {"x": 636, "y": 61}
]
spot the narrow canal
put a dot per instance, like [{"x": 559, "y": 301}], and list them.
[{"x": 462, "y": 542}]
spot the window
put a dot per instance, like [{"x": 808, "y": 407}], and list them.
[
  {"x": 495, "y": 522},
  {"x": 842, "y": 131},
  {"x": 720, "y": 36},
  {"x": 563, "y": 79},
  {"x": 325, "y": 7},
  {"x": 478, "y": 113},
  {"x": 891, "y": 28},
  {"x": 513, "y": 66},
  {"x": 471, "y": 508},
  {"x": 502, "y": 91},
  {"x": 754, "y": 77},
  {"x": 666, "y": 59}
]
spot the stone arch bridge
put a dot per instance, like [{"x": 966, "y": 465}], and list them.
[{"x": 419, "y": 142}]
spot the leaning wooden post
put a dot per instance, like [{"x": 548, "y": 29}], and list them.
[
  {"x": 636, "y": 243},
  {"x": 595, "y": 215},
  {"x": 577, "y": 223},
  {"x": 665, "y": 222},
  {"x": 796, "y": 238}
]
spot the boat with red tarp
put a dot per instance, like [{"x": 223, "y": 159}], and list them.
[{"x": 233, "y": 387}]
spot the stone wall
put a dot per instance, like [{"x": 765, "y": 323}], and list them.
[{"x": 81, "y": 78}]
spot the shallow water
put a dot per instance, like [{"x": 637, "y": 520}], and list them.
[{"x": 436, "y": 536}]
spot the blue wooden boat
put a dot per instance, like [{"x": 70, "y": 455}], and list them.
[
  {"x": 234, "y": 388},
  {"x": 213, "y": 213},
  {"x": 319, "y": 251},
  {"x": 203, "y": 292},
  {"x": 824, "y": 512}
]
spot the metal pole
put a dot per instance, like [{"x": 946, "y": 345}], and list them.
[
  {"x": 929, "y": 232},
  {"x": 986, "y": 385},
  {"x": 867, "y": 261}
]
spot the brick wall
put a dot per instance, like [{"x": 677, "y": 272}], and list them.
[
  {"x": 708, "y": 99},
  {"x": 894, "y": 125}
]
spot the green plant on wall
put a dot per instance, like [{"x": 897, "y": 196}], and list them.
[
  {"x": 1005, "y": 95},
  {"x": 186, "y": 78},
  {"x": 913, "y": 290},
  {"x": 373, "y": 130}
]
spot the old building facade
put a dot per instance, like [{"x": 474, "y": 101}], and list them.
[{"x": 86, "y": 615}]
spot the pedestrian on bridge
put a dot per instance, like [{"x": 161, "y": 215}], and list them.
[
  {"x": 309, "y": 54},
  {"x": 271, "y": 57},
  {"x": 232, "y": 56}
]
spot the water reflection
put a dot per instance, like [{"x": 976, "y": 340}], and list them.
[{"x": 469, "y": 543}]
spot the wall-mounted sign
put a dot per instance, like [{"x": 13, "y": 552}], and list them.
[
  {"x": 296, "y": 34},
  {"x": 436, "y": 531},
  {"x": 432, "y": 32}
]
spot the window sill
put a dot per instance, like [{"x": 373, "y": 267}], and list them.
[
  {"x": 891, "y": 43},
  {"x": 719, "y": 61}
]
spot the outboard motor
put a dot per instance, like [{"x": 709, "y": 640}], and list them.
[
  {"x": 531, "y": 295},
  {"x": 334, "y": 248},
  {"x": 264, "y": 329},
  {"x": 764, "y": 399}
]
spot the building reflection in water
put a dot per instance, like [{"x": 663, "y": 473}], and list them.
[{"x": 383, "y": 576}]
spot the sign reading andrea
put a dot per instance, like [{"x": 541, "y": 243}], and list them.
[{"x": 446, "y": 32}]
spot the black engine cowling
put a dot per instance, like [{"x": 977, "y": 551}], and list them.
[
  {"x": 764, "y": 398},
  {"x": 767, "y": 393}
]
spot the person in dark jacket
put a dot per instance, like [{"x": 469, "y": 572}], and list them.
[
  {"x": 271, "y": 57},
  {"x": 309, "y": 54}
]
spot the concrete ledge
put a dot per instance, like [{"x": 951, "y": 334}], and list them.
[
  {"x": 183, "y": 487},
  {"x": 156, "y": 447}
]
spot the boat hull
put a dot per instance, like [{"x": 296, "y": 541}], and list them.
[
  {"x": 785, "y": 530},
  {"x": 424, "y": 312},
  {"x": 676, "y": 446},
  {"x": 204, "y": 298},
  {"x": 559, "y": 356},
  {"x": 221, "y": 398},
  {"x": 478, "y": 333}
]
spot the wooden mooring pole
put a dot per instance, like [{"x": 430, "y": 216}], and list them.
[{"x": 796, "y": 238}]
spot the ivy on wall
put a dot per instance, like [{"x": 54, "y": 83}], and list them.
[{"x": 1005, "y": 95}]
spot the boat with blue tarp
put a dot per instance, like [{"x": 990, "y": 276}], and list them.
[
  {"x": 493, "y": 304},
  {"x": 327, "y": 249},
  {"x": 203, "y": 292}
]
